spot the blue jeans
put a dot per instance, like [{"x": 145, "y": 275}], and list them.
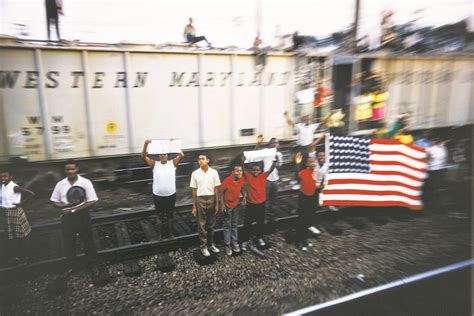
[{"x": 231, "y": 218}]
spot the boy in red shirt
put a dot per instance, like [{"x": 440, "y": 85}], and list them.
[
  {"x": 307, "y": 202},
  {"x": 230, "y": 189},
  {"x": 255, "y": 210}
]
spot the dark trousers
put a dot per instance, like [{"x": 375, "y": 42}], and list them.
[
  {"x": 164, "y": 206},
  {"x": 195, "y": 39},
  {"x": 206, "y": 219},
  {"x": 434, "y": 190},
  {"x": 49, "y": 21},
  {"x": 306, "y": 207},
  {"x": 78, "y": 223},
  {"x": 254, "y": 212},
  {"x": 270, "y": 204}
]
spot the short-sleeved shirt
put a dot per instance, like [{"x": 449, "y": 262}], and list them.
[
  {"x": 267, "y": 163},
  {"x": 164, "y": 178},
  {"x": 256, "y": 187},
  {"x": 205, "y": 182},
  {"x": 305, "y": 133},
  {"x": 60, "y": 190},
  {"x": 307, "y": 182},
  {"x": 231, "y": 191}
]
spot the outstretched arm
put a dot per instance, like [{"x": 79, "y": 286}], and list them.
[
  {"x": 150, "y": 162},
  {"x": 289, "y": 120},
  {"x": 178, "y": 158},
  {"x": 24, "y": 191}
]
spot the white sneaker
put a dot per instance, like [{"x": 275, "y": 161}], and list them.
[
  {"x": 214, "y": 249},
  {"x": 314, "y": 230},
  {"x": 295, "y": 187},
  {"x": 292, "y": 182},
  {"x": 205, "y": 252},
  {"x": 228, "y": 250},
  {"x": 244, "y": 246},
  {"x": 261, "y": 242},
  {"x": 333, "y": 208}
]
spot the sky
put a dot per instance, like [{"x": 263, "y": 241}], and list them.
[{"x": 223, "y": 22}]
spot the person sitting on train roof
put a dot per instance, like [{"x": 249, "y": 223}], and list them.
[
  {"x": 75, "y": 218},
  {"x": 18, "y": 228},
  {"x": 305, "y": 137},
  {"x": 255, "y": 210},
  {"x": 164, "y": 188},
  {"x": 190, "y": 34},
  {"x": 231, "y": 188},
  {"x": 273, "y": 179},
  {"x": 205, "y": 185}
]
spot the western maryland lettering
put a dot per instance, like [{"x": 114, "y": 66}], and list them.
[
  {"x": 222, "y": 79},
  {"x": 74, "y": 79}
]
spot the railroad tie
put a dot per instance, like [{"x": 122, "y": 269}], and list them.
[{"x": 131, "y": 267}]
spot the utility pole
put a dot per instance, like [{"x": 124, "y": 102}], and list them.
[{"x": 356, "y": 19}]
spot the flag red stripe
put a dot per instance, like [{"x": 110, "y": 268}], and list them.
[
  {"x": 374, "y": 182},
  {"x": 378, "y": 152},
  {"x": 395, "y": 142},
  {"x": 370, "y": 192},
  {"x": 396, "y": 163},
  {"x": 371, "y": 203},
  {"x": 395, "y": 173}
]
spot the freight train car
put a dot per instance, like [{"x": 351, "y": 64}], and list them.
[{"x": 73, "y": 102}]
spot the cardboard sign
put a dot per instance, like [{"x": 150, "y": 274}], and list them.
[
  {"x": 259, "y": 155},
  {"x": 164, "y": 146}
]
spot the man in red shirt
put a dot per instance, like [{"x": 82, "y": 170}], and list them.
[
  {"x": 230, "y": 189},
  {"x": 255, "y": 210},
  {"x": 306, "y": 201}
]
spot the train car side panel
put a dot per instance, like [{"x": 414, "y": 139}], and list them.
[
  {"x": 65, "y": 96},
  {"x": 107, "y": 79},
  {"x": 21, "y": 105}
]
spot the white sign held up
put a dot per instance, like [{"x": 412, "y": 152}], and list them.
[
  {"x": 259, "y": 155},
  {"x": 164, "y": 146}
]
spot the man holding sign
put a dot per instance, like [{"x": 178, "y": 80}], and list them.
[{"x": 164, "y": 183}]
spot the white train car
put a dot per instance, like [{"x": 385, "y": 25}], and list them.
[
  {"x": 73, "y": 102},
  {"x": 437, "y": 90}
]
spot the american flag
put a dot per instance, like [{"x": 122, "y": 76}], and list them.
[{"x": 374, "y": 172}]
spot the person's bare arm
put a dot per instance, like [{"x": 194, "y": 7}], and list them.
[
  {"x": 217, "y": 191},
  {"x": 289, "y": 120},
  {"x": 194, "y": 193},
  {"x": 259, "y": 142},
  {"x": 150, "y": 162},
  {"x": 23, "y": 191},
  {"x": 178, "y": 158}
]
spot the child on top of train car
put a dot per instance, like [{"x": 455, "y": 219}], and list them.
[
  {"x": 17, "y": 226},
  {"x": 164, "y": 188}
]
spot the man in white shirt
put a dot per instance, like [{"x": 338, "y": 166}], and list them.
[
  {"x": 273, "y": 179},
  {"x": 75, "y": 218},
  {"x": 205, "y": 185},
  {"x": 436, "y": 182},
  {"x": 164, "y": 188},
  {"x": 305, "y": 136}
]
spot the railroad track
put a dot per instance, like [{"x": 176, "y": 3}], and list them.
[
  {"x": 127, "y": 236},
  {"x": 130, "y": 235}
]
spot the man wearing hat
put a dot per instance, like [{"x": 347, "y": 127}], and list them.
[{"x": 75, "y": 195}]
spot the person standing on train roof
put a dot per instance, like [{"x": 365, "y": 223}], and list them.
[
  {"x": 205, "y": 187},
  {"x": 273, "y": 179},
  {"x": 54, "y": 8},
  {"x": 305, "y": 137},
  {"x": 256, "y": 198},
  {"x": 17, "y": 226},
  {"x": 75, "y": 217},
  {"x": 231, "y": 188},
  {"x": 164, "y": 188}
]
